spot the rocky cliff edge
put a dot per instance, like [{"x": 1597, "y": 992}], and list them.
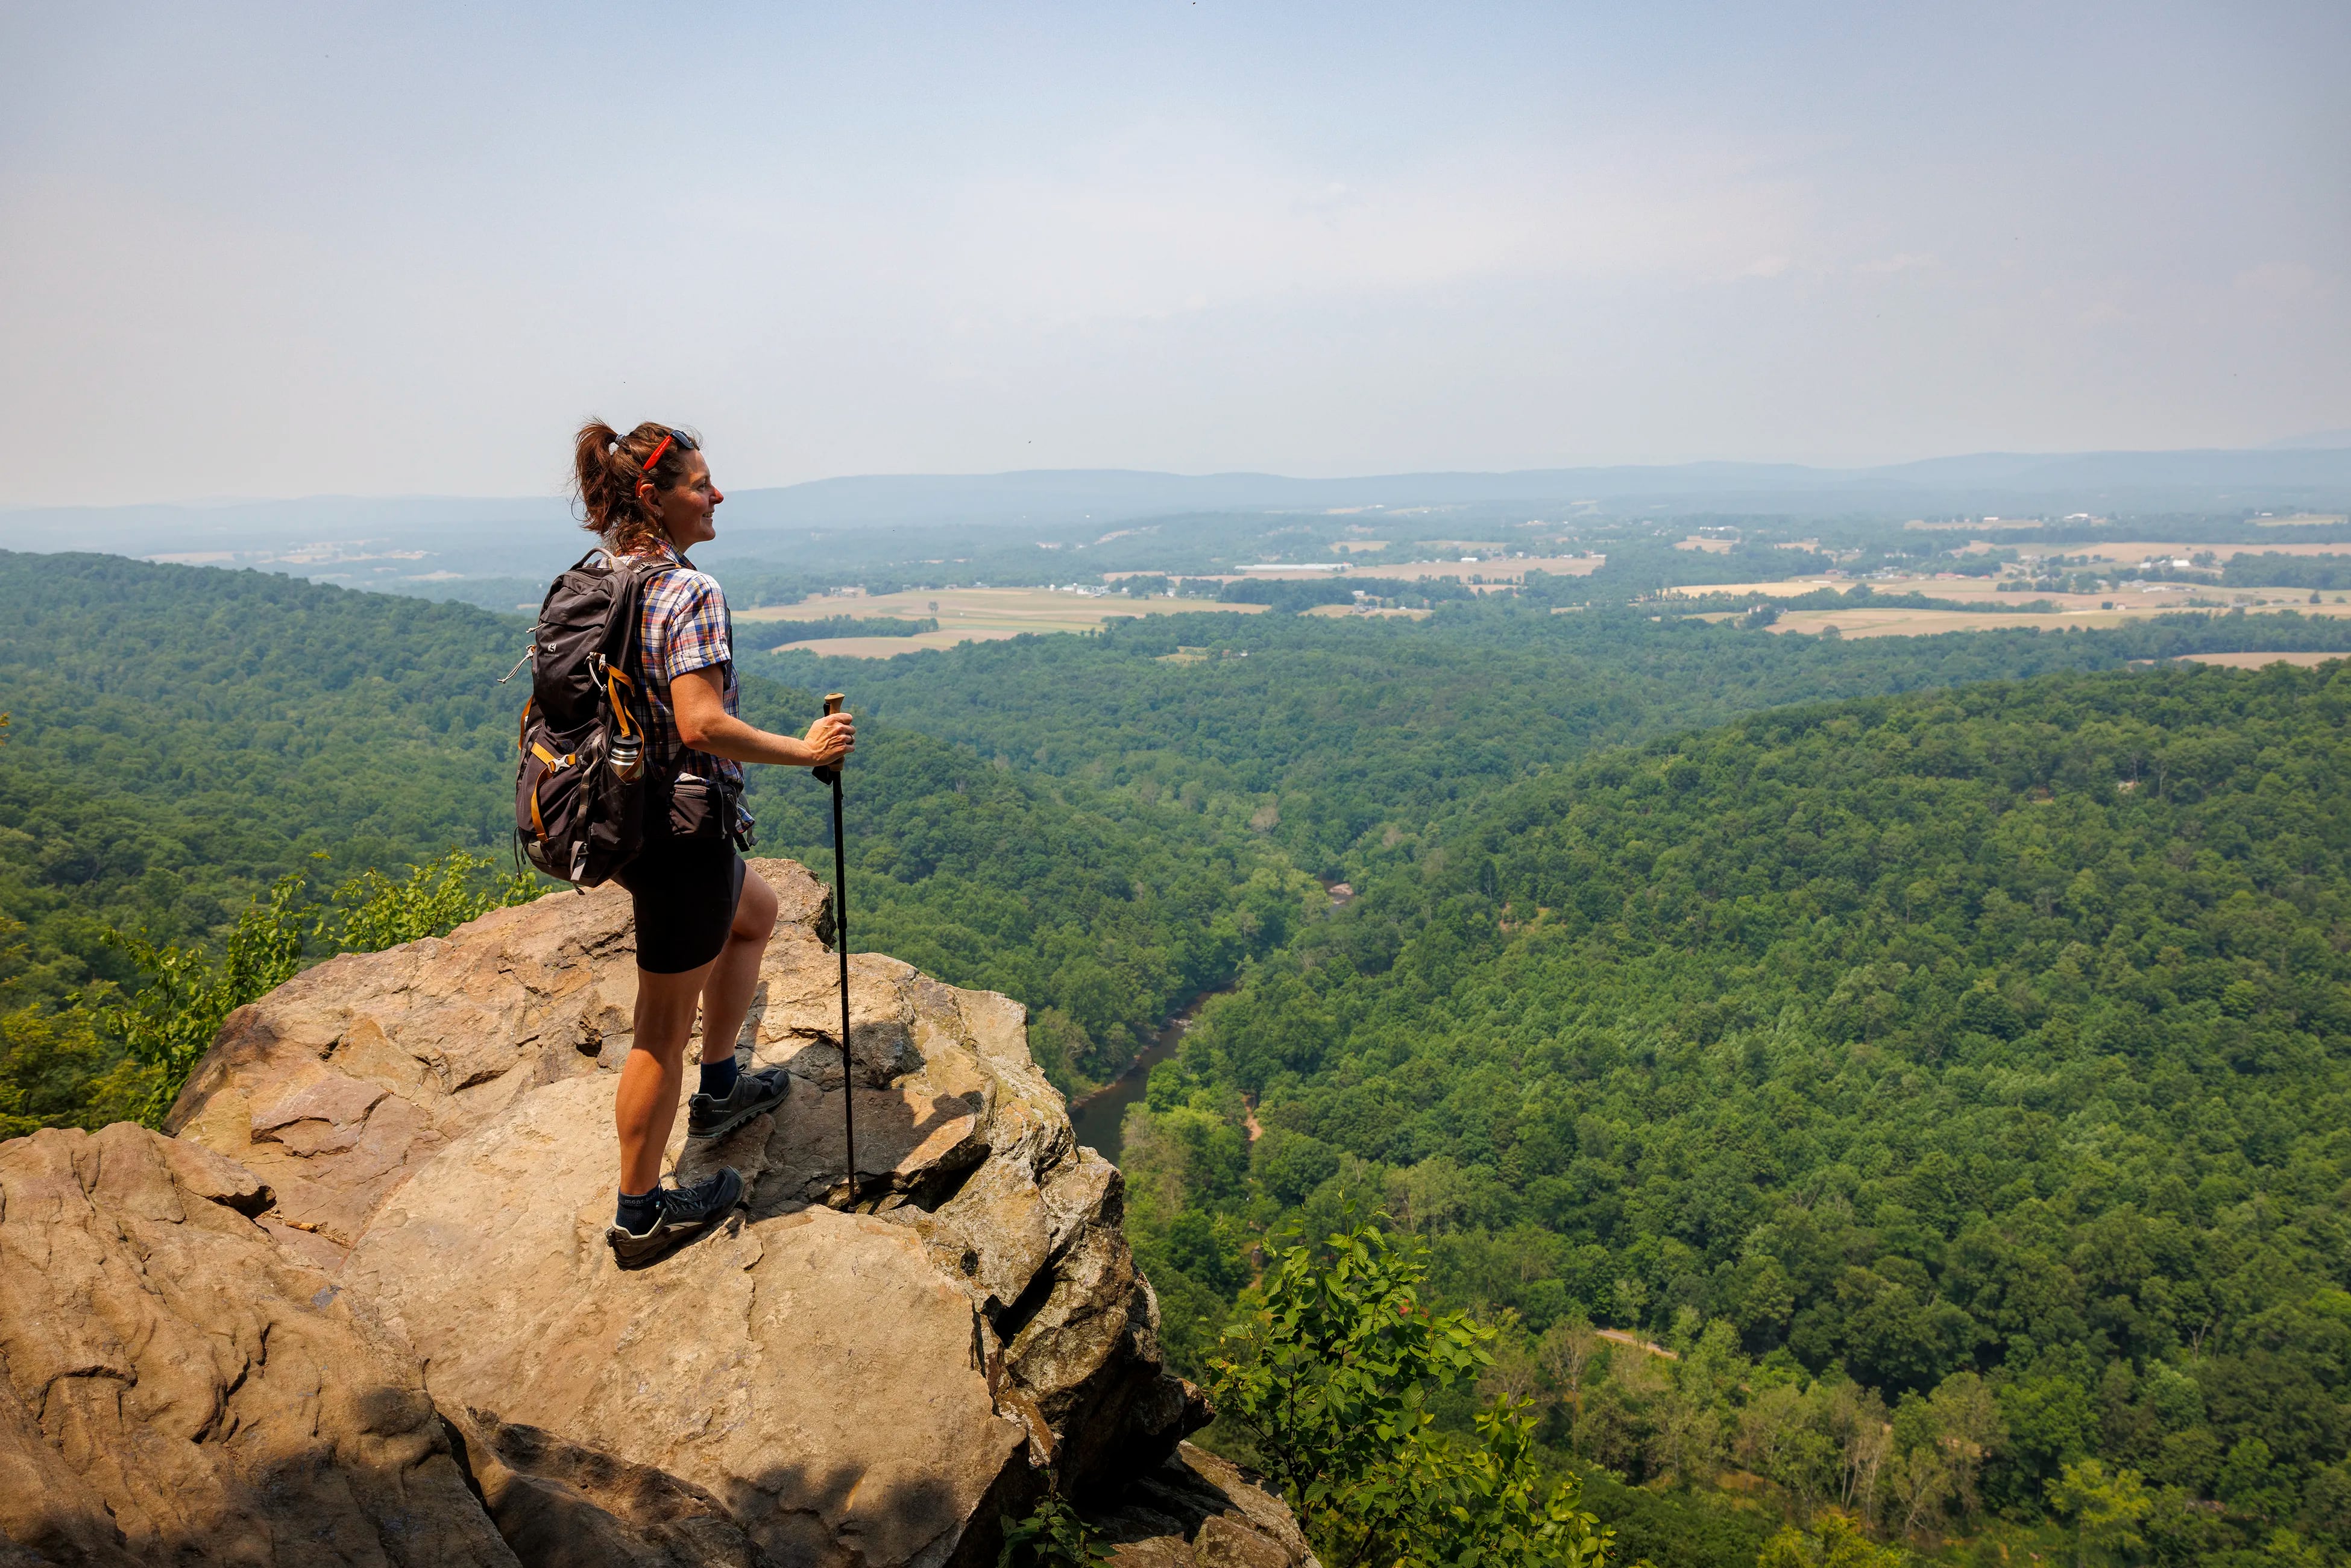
[{"x": 360, "y": 1310}]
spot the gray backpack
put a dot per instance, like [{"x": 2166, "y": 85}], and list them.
[{"x": 580, "y": 794}]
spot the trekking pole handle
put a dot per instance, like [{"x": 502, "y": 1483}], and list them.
[{"x": 832, "y": 701}]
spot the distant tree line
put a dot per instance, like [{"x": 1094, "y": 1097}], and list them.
[
  {"x": 2326, "y": 573},
  {"x": 1290, "y": 596},
  {"x": 759, "y": 636}
]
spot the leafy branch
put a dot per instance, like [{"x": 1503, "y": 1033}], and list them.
[
  {"x": 171, "y": 1020},
  {"x": 1051, "y": 1536},
  {"x": 1330, "y": 1366}
]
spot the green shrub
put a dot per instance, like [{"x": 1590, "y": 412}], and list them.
[
  {"x": 169, "y": 1021},
  {"x": 1330, "y": 1368}
]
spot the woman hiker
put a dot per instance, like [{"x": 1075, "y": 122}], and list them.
[{"x": 703, "y": 919}]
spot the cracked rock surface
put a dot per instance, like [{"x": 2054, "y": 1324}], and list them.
[
  {"x": 178, "y": 1390},
  {"x": 341, "y": 1084},
  {"x": 806, "y": 1384}
]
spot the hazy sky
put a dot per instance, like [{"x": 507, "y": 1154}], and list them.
[{"x": 396, "y": 249}]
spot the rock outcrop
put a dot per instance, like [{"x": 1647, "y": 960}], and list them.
[
  {"x": 178, "y": 1390},
  {"x": 360, "y": 1308}
]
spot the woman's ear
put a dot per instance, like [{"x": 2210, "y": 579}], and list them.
[{"x": 645, "y": 492}]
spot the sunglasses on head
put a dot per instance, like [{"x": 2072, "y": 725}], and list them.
[{"x": 683, "y": 442}]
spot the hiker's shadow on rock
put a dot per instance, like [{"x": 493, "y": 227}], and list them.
[{"x": 562, "y": 1506}]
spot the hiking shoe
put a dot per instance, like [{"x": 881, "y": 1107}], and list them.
[
  {"x": 685, "y": 1213},
  {"x": 711, "y": 1116}
]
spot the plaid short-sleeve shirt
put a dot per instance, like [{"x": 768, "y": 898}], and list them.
[{"x": 684, "y": 626}]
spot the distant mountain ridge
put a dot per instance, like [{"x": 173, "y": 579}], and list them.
[{"x": 2216, "y": 480}]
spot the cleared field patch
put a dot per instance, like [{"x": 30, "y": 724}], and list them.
[
  {"x": 1349, "y": 611},
  {"x": 1492, "y": 569},
  {"x": 1871, "y": 621},
  {"x": 1985, "y": 590},
  {"x": 2255, "y": 661},
  {"x": 2130, "y": 552},
  {"x": 974, "y": 615},
  {"x": 1791, "y": 589},
  {"x": 1865, "y": 621},
  {"x": 2122, "y": 558},
  {"x": 1496, "y": 570}
]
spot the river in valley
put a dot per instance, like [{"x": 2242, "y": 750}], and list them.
[{"x": 1096, "y": 1117}]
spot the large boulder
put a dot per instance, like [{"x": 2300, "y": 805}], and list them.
[
  {"x": 814, "y": 1372},
  {"x": 178, "y": 1390},
  {"x": 341, "y": 1084},
  {"x": 808, "y": 1384}
]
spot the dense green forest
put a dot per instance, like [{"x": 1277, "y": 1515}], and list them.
[
  {"x": 754, "y": 636},
  {"x": 1332, "y": 737},
  {"x": 181, "y": 738},
  {"x": 1923, "y": 1055},
  {"x": 1952, "y": 1088}
]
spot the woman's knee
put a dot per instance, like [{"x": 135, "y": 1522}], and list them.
[
  {"x": 755, "y": 909},
  {"x": 666, "y": 1008}
]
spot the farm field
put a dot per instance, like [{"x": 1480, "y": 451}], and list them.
[
  {"x": 973, "y": 615},
  {"x": 1491, "y": 569},
  {"x": 2130, "y": 552},
  {"x": 2114, "y": 608},
  {"x": 1874, "y": 622},
  {"x": 1981, "y": 591},
  {"x": 2260, "y": 660}
]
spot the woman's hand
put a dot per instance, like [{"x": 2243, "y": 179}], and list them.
[{"x": 830, "y": 738}]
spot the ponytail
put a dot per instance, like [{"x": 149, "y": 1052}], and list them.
[{"x": 607, "y": 468}]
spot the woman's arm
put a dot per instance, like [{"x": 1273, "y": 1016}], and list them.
[{"x": 699, "y": 701}]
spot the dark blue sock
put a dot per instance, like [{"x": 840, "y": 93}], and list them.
[
  {"x": 638, "y": 1211},
  {"x": 718, "y": 1077}
]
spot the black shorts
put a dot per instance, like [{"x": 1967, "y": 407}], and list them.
[{"x": 684, "y": 891}]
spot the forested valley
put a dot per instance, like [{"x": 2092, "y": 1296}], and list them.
[
  {"x": 1898, "y": 1080},
  {"x": 1931, "y": 1106}
]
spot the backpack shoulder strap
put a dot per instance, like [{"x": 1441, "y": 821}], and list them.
[{"x": 623, "y": 642}]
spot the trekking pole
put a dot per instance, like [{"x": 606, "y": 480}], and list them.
[{"x": 832, "y": 775}]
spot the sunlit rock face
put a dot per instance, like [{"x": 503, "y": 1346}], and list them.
[
  {"x": 417, "y": 1145},
  {"x": 178, "y": 1389}
]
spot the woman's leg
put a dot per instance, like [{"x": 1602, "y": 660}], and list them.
[
  {"x": 647, "y": 1104},
  {"x": 735, "y": 974}
]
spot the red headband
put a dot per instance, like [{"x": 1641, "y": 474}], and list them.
[{"x": 646, "y": 468}]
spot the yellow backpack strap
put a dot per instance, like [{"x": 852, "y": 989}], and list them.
[{"x": 620, "y": 705}]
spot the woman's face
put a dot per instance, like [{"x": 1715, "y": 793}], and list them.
[{"x": 684, "y": 510}]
